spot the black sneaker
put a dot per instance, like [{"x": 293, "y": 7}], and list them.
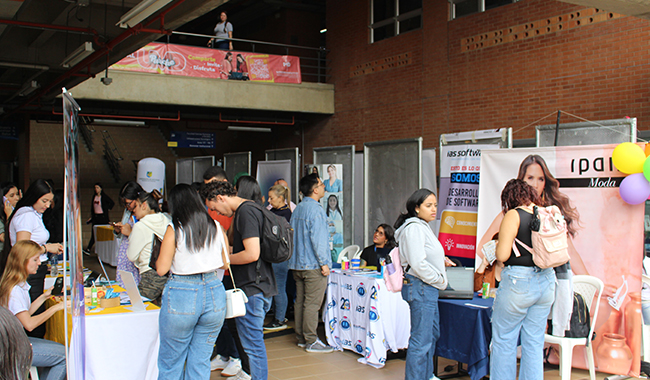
[{"x": 275, "y": 325}]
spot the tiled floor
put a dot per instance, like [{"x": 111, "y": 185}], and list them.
[{"x": 287, "y": 361}]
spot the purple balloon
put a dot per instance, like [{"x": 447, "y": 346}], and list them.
[{"x": 635, "y": 189}]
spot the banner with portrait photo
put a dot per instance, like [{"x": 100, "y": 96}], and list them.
[
  {"x": 608, "y": 243},
  {"x": 460, "y": 167},
  {"x": 332, "y": 202}
]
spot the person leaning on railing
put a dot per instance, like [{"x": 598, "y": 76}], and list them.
[{"x": 222, "y": 31}]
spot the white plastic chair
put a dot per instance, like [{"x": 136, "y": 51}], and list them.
[
  {"x": 646, "y": 329},
  {"x": 349, "y": 252},
  {"x": 33, "y": 373},
  {"x": 590, "y": 288}
]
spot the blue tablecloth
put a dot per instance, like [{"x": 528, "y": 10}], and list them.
[{"x": 466, "y": 332}]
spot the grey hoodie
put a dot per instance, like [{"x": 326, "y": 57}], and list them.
[
  {"x": 419, "y": 248},
  {"x": 139, "y": 250}
]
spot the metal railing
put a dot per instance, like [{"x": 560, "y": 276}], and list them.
[
  {"x": 112, "y": 155},
  {"x": 86, "y": 134},
  {"x": 313, "y": 61}
]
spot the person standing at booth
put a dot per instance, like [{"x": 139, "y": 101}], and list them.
[
  {"x": 525, "y": 293},
  {"x": 310, "y": 262},
  {"x": 101, "y": 205},
  {"x": 423, "y": 258}
]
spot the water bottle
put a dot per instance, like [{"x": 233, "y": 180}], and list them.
[{"x": 390, "y": 267}]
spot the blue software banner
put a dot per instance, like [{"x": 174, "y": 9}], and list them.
[{"x": 191, "y": 140}]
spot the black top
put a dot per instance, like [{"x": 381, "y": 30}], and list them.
[
  {"x": 371, "y": 253},
  {"x": 249, "y": 222},
  {"x": 283, "y": 211},
  {"x": 524, "y": 235}
]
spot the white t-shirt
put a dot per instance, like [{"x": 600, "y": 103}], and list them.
[
  {"x": 29, "y": 220},
  {"x": 208, "y": 259},
  {"x": 19, "y": 300}
]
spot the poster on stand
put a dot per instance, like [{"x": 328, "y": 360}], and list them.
[
  {"x": 270, "y": 171},
  {"x": 72, "y": 237},
  {"x": 332, "y": 202},
  {"x": 192, "y": 61},
  {"x": 460, "y": 167},
  {"x": 608, "y": 243}
]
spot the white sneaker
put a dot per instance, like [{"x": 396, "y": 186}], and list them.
[
  {"x": 241, "y": 375},
  {"x": 233, "y": 367},
  {"x": 218, "y": 363},
  {"x": 319, "y": 347}
]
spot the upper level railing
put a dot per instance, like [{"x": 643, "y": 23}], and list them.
[{"x": 313, "y": 61}]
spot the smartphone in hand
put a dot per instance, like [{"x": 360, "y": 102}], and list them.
[{"x": 58, "y": 287}]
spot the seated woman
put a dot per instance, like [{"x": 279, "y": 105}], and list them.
[
  {"x": 22, "y": 261},
  {"x": 383, "y": 242},
  {"x": 151, "y": 222}
]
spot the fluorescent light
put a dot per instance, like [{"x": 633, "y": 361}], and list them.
[
  {"x": 248, "y": 129},
  {"x": 78, "y": 55},
  {"x": 140, "y": 12},
  {"x": 323, "y": 30},
  {"x": 28, "y": 88},
  {"x": 120, "y": 123}
]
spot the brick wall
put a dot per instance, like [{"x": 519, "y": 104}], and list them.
[{"x": 594, "y": 71}]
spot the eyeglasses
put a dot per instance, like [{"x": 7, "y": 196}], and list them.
[
  {"x": 129, "y": 206},
  {"x": 379, "y": 233}
]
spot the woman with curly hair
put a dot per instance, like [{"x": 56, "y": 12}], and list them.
[{"x": 525, "y": 294}]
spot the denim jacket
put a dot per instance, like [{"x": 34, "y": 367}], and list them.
[{"x": 310, "y": 238}]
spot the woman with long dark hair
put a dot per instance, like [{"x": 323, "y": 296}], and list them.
[
  {"x": 151, "y": 223},
  {"x": 128, "y": 195},
  {"x": 101, "y": 205},
  {"x": 525, "y": 293},
  {"x": 10, "y": 197},
  {"x": 333, "y": 210},
  {"x": 424, "y": 258},
  {"x": 194, "y": 300},
  {"x": 23, "y": 261},
  {"x": 383, "y": 241},
  {"x": 248, "y": 188},
  {"x": 222, "y": 32}
]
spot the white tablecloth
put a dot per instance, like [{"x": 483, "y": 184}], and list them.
[
  {"x": 121, "y": 346},
  {"x": 363, "y": 316},
  {"x": 106, "y": 250}
]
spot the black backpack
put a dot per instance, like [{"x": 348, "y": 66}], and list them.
[
  {"x": 276, "y": 242},
  {"x": 580, "y": 319}
]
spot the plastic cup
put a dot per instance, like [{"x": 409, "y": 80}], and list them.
[{"x": 356, "y": 263}]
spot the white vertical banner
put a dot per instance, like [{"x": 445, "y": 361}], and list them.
[{"x": 460, "y": 167}]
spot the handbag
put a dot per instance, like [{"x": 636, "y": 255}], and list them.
[
  {"x": 235, "y": 298},
  {"x": 155, "y": 251}
]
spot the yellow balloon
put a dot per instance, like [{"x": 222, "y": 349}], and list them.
[{"x": 629, "y": 158}]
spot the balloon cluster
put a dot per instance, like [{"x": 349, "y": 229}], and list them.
[{"x": 629, "y": 158}]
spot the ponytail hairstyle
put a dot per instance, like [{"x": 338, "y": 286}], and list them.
[
  {"x": 151, "y": 199},
  {"x": 415, "y": 200},
  {"x": 281, "y": 191}
]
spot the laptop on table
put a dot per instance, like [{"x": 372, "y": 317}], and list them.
[{"x": 460, "y": 283}]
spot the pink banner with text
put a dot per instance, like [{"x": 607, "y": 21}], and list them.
[{"x": 199, "y": 62}]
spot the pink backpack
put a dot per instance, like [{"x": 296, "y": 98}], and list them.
[
  {"x": 393, "y": 272},
  {"x": 550, "y": 242}
]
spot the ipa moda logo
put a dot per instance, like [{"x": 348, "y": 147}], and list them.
[
  {"x": 373, "y": 293},
  {"x": 359, "y": 347},
  {"x": 373, "y": 314},
  {"x": 332, "y": 324},
  {"x": 450, "y": 221},
  {"x": 361, "y": 290},
  {"x": 345, "y": 323},
  {"x": 449, "y": 244},
  {"x": 149, "y": 174}
]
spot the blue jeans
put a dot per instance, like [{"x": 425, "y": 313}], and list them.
[
  {"x": 49, "y": 357},
  {"x": 192, "y": 312},
  {"x": 521, "y": 308},
  {"x": 645, "y": 309},
  {"x": 251, "y": 334},
  {"x": 281, "y": 301},
  {"x": 425, "y": 327}
]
